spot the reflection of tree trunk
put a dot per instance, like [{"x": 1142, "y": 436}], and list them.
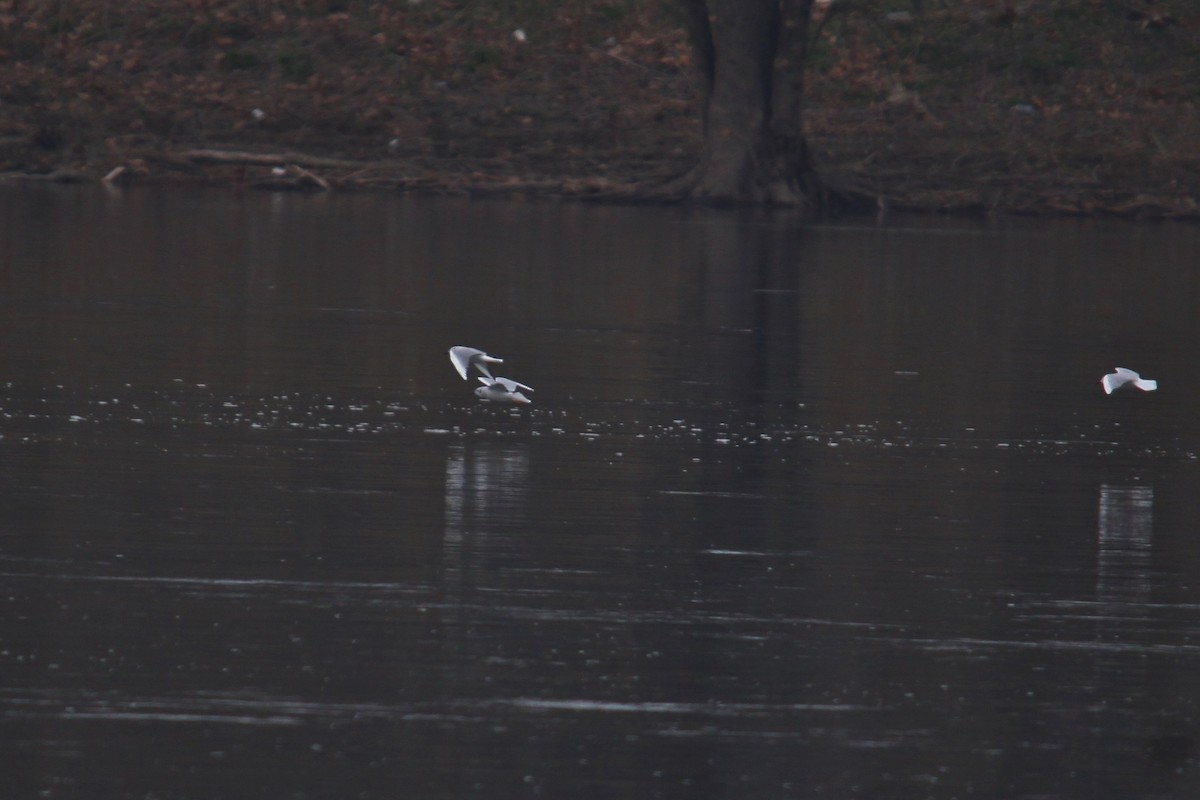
[{"x": 750, "y": 54}]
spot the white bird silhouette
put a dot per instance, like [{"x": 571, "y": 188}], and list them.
[
  {"x": 1115, "y": 380},
  {"x": 502, "y": 390},
  {"x": 463, "y": 358}
]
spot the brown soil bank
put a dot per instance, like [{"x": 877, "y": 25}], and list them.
[{"x": 1069, "y": 106}]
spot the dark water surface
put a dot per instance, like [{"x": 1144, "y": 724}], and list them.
[{"x": 797, "y": 512}]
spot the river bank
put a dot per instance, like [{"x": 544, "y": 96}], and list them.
[{"x": 1067, "y": 106}]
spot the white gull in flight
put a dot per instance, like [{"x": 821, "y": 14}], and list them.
[
  {"x": 502, "y": 390},
  {"x": 463, "y": 358},
  {"x": 1115, "y": 380}
]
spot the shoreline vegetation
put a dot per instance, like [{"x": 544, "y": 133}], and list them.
[{"x": 1079, "y": 107}]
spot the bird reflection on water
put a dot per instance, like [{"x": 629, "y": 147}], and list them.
[
  {"x": 1124, "y": 532},
  {"x": 486, "y": 486}
]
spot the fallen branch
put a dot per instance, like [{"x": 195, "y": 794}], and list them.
[
  {"x": 57, "y": 176},
  {"x": 266, "y": 159},
  {"x": 624, "y": 60},
  {"x": 306, "y": 177}
]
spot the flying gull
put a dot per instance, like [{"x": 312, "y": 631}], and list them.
[
  {"x": 463, "y": 358},
  {"x": 1115, "y": 380},
  {"x": 502, "y": 390}
]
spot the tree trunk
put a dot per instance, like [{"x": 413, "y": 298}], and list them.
[{"x": 751, "y": 54}]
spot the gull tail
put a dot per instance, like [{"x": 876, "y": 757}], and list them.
[{"x": 1146, "y": 385}]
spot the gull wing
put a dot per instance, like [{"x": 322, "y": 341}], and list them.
[
  {"x": 513, "y": 386},
  {"x": 508, "y": 384},
  {"x": 461, "y": 358}
]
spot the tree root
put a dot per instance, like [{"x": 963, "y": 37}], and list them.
[{"x": 822, "y": 191}]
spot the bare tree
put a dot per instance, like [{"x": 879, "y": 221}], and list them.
[{"x": 751, "y": 54}]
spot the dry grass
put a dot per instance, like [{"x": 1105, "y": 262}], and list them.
[
  {"x": 85, "y": 80},
  {"x": 1066, "y": 105}
]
